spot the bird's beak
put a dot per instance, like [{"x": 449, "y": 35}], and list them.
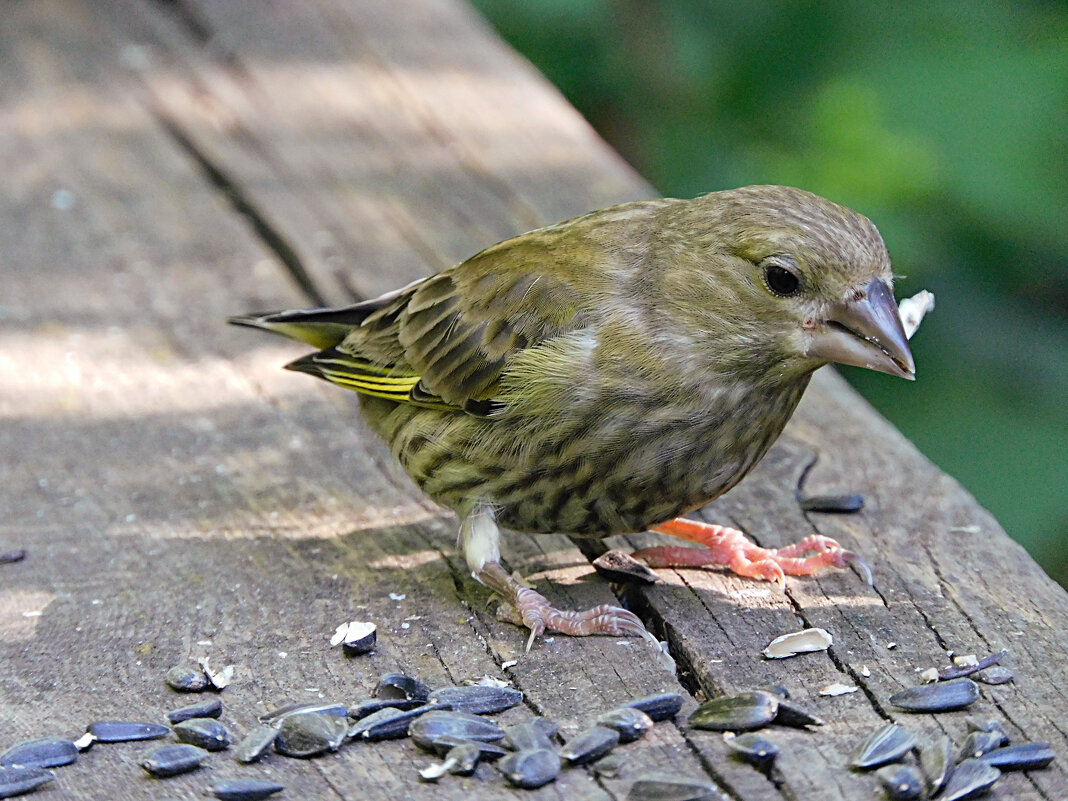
[{"x": 866, "y": 333}]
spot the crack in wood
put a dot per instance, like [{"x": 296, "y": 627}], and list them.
[{"x": 271, "y": 237}]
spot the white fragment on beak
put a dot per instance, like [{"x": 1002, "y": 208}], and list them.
[{"x": 913, "y": 310}]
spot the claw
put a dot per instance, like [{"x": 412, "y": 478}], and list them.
[{"x": 862, "y": 567}]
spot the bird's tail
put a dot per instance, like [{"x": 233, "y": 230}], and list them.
[{"x": 320, "y": 328}]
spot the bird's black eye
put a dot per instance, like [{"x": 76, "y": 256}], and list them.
[{"x": 781, "y": 281}]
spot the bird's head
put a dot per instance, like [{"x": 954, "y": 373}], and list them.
[{"x": 799, "y": 279}]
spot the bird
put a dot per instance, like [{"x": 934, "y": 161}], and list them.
[{"x": 611, "y": 373}]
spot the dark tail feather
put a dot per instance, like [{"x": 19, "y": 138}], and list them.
[{"x": 320, "y": 328}]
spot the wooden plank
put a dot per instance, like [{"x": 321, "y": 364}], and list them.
[{"x": 170, "y": 472}]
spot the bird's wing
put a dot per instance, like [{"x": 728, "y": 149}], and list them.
[{"x": 445, "y": 341}]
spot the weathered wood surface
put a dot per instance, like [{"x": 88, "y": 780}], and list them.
[{"x": 168, "y": 164}]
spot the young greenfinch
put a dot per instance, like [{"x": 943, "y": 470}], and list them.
[{"x": 612, "y": 372}]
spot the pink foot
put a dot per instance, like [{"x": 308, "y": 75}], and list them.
[
  {"x": 730, "y": 548},
  {"x": 530, "y": 609}
]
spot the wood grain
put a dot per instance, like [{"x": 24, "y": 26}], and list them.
[{"x": 168, "y": 164}]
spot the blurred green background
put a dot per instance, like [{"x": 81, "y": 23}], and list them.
[{"x": 946, "y": 122}]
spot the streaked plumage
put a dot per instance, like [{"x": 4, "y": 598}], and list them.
[{"x": 611, "y": 372}]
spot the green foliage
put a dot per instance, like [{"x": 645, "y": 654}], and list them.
[{"x": 943, "y": 121}]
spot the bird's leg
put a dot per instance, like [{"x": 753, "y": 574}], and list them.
[
  {"x": 526, "y": 607},
  {"x": 730, "y": 548}
]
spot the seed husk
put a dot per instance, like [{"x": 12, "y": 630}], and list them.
[
  {"x": 662, "y": 706},
  {"x": 754, "y": 748},
  {"x": 170, "y": 760},
  {"x": 622, "y": 568},
  {"x": 1026, "y": 756},
  {"x": 590, "y": 745},
  {"x": 900, "y": 782},
  {"x": 991, "y": 725},
  {"x": 888, "y": 744},
  {"x": 220, "y": 679},
  {"x": 206, "y": 733},
  {"x": 308, "y": 734},
  {"x": 971, "y": 665},
  {"x": 356, "y": 638},
  {"x": 666, "y": 787},
  {"x": 792, "y": 715},
  {"x": 531, "y": 734},
  {"x": 833, "y": 504},
  {"x": 978, "y": 743},
  {"x": 942, "y": 696},
  {"x": 629, "y": 721},
  {"x": 368, "y": 706},
  {"x": 19, "y": 779},
  {"x": 739, "y": 712},
  {"x": 389, "y": 723},
  {"x": 936, "y": 763},
  {"x": 45, "y": 752},
  {"x": 212, "y": 708},
  {"x": 799, "y": 642},
  {"x": 399, "y": 685},
  {"x": 10, "y": 557},
  {"x": 995, "y": 675},
  {"x": 972, "y": 778},
  {"x": 276, "y": 716},
  {"x": 245, "y": 789},
  {"x": 427, "y": 729},
  {"x": 186, "y": 679},
  {"x": 531, "y": 768},
  {"x": 255, "y": 744},
  {"x": 465, "y": 757},
  {"x": 118, "y": 731},
  {"x": 489, "y": 751},
  {"x": 477, "y": 699}
]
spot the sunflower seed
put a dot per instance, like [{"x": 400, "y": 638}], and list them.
[
  {"x": 900, "y": 782},
  {"x": 590, "y": 745},
  {"x": 888, "y": 744},
  {"x": 389, "y": 723},
  {"x": 368, "y": 706},
  {"x": 531, "y": 734},
  {"x": 255, "y": 744},
  {"x": 476, "y": 699},
  {"x": 753, "y": 748},
  {"x": 833, "y": 504},
  {"x": 940, "y": 697},
  {"x": 206, "y": 733},
  {"x": 1026, "y": 756},
  {"x": 170, "y": 760},
  {"x": 629, "y": 721},
  {"x": 117, "y": 731},
  {"x": 212, "y": 708},
  {"x": 16, "y": 780},
  {"x": 966, "y": 665},
  {"x": 661, "y": 706},
  {"x": 186, "y": 679},
  {"x": 792, "y": 715},
  {"x": 798, "y": 642},
  {"x": 666, "y": 787},
  {"x": 398, "y": 685},
  {"x": 936, "y": 763},
  {"x": 991, "y": 724},
  {"x": 47, "y": 752},
  {"x": 427, "y": 729},
  {"x": 740, "y": 712},
  {"x": 308, "y": 734},
  {"x": 971, "y": 778},
  {"x": 531, "y": 768},
  {"x": 622, "y": 568},
  {"x": 245, "y": 789}
]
